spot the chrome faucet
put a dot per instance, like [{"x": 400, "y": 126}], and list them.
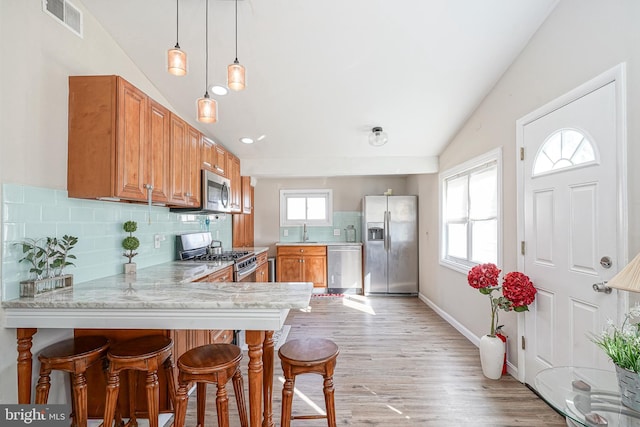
[{"x": 305, "y": 234}]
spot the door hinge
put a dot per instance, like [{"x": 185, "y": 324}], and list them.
[
  {"x": 522, "y": 247},
  {"x": 522, "y": 344},
  {"x": 521, "y": 153}
]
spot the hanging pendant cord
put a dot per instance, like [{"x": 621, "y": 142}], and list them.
[
  {"x": 177, "y": 12},
  {"x": 206, "y": 54},
  {"x": 236, "y": 31}
]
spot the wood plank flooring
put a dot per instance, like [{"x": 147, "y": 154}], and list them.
[{"x": 400, "y": 364}]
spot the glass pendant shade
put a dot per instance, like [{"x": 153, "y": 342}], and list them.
[
  {"x": 236, "y": 76},
  {"x": 176, "y": 61},
  {"x": 378, "y": 137},
  {"x": 207, "y": 109}
]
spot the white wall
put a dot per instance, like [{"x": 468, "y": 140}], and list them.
[
  {"x": 579, "y": 40},
  {"x": 347, "y": 196},
  {"x": 38, "y": 55}
]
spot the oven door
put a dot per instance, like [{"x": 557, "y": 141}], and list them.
[
  {"x": 248, "y": 275},
  {"x": 215, "y": 191}
]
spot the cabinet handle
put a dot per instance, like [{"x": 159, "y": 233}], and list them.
[
  {"x": 206, "y": 164},
  {"x": 188, "y": 194}
]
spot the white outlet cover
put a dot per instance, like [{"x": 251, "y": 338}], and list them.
[
  {"x": 285, "y": 233},
  {"x": 336, "y": 231}
]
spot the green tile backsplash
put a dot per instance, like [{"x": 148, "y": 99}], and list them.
[
  {"x": 325, "y": 234},
  {"x": 33, "y": 212}
]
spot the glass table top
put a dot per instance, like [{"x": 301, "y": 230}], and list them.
[{"x": 589, "y": 397}]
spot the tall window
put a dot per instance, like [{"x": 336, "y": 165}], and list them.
[
  {"x": 470, "y": 212},
  {"x": 311, "y": 207}
]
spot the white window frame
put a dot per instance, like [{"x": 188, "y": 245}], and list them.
[
  {"x": 327, "y": 193},
  {"x": 458, "y": 264}
]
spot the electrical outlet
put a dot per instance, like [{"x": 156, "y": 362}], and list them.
[
  {"x": 336, "y": 231},
  {"x": 157, "y": 238},
  {"x": 285, "y": 232}
]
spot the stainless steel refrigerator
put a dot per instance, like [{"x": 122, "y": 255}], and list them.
[{"x": 390, "y": 228}]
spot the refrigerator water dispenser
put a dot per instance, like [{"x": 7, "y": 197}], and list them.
[{"x": 375, "y": 231}]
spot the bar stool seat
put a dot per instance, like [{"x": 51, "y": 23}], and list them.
[
  {"x": 75, "y": 356},
  {"x": 308, "y": 356},
  {"x": 145, "y": 354},
  {"x": 211, "y": 364}
]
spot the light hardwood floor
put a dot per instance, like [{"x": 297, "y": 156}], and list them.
[{"x": 400, "y": 364}]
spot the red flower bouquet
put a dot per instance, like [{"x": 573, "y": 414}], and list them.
[{"x": 517, "y": 290}]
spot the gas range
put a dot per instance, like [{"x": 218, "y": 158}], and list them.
[{"x": 194, "y": 247}]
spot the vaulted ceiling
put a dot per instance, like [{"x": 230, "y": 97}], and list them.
[{"x": 321, "y": 74}]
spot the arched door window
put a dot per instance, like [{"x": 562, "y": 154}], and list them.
[{"x": 564, "y": 149}]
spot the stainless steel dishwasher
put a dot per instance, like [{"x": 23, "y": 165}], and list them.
[{"x": 344, "y": 269}]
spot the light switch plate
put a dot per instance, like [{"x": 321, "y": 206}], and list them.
[
  {"x": 336, "y": 231},
  {"x": 285, "y": 232}
]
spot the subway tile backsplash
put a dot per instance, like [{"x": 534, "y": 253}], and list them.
[
  {"x": 326, "y": 234},
  {"x": 33, "y": 212}
]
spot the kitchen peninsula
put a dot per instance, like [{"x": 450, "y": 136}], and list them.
[{"x": 165, "y": 297}]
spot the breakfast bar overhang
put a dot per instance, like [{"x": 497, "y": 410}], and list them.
[{"x": 257, "y": 308}]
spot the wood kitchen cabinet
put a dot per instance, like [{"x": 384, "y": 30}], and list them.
[
  {"x": 302, "y": 264},
  {"x": 117, "y": 142},
  {"x": 214, "y": 157},
  {"x": 243, "y": 224},
  {"x": 184, "y": 171},
  {"x": 262, "y": 272},
  {"x": 247, "y": 195},
  {"x": 235, "y": 190}
]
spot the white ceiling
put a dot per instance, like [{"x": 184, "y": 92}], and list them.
[{"x": 321, "y": 74}]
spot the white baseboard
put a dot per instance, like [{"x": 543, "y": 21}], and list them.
[{"x": 475, "y": 340}]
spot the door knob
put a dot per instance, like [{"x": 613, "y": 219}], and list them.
[{"x": 602, "y": 287}]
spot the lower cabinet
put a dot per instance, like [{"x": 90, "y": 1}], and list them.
[
  {"x": 262, "y": 272},
  {"x": 183, "y": 341},
  {"x": 302, "y": 264}
]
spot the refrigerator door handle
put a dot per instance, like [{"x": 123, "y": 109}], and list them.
[{"x": 387, "y": 221}]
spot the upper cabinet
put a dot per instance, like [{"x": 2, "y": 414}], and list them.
[
  {"x": 235, "y": 192},
  {"x": 109, "y": 148},
  {"x": 123, "y": 145},
  {"x": 214, "y": 157},
  {"x": 247, "y": 195}
]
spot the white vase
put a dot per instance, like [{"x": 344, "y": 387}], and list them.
[
  {"x": 129, "y": 268},
  {"x": 491, "y": 356}
]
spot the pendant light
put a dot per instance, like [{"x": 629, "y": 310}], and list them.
[
  {"x": 235, "y": 71},
  {"x": 207, "y": 107},
  {"x": 176, "y": 58}
]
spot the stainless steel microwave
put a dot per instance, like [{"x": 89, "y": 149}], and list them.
[{"x": 214, "y": 197}]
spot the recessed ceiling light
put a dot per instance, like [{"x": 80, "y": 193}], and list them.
[
  {"x": 219, "y": 90},
  {"x": 261, "y": 137},
  {"x": 246, "y": 140}
]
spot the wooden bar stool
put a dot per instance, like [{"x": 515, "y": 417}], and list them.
[
  {"x": 145, "y": 354},
  {"x": 211, "y": 364},
  {"x": 74, "y": 356},
  {"x": 308, "y": 356}
]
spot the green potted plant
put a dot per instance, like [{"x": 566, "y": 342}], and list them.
[
  {"x": 622, "y": 345},
  {"x": 130, "y": 244},
  {"x": 47, "y": 258}
]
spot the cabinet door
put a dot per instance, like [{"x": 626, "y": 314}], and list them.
[
  {"x": 262, "y": 273},
  {"x": 220, "y": 163},
  {"x": 315, "y": 270},
  {"x": 208, "y": 154},
  {"x": 247, "y": 195},
  {"x": 192, "y": 167},
  {"x": 235, "y": 190},
  {"x": 289, "y": 268},
  {"x": 159, "y": 149},
  {"x": 131, "y": 153},
  {"x": 178, "y": 158}
]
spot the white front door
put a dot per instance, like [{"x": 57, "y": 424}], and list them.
[{"x": 570, "y": 212}]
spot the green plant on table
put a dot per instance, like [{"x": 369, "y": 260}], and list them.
[
  {"x": 622, "y": 344},
  {"x": 48, "y": 256},
  {"x": 130, "y": 243}
]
